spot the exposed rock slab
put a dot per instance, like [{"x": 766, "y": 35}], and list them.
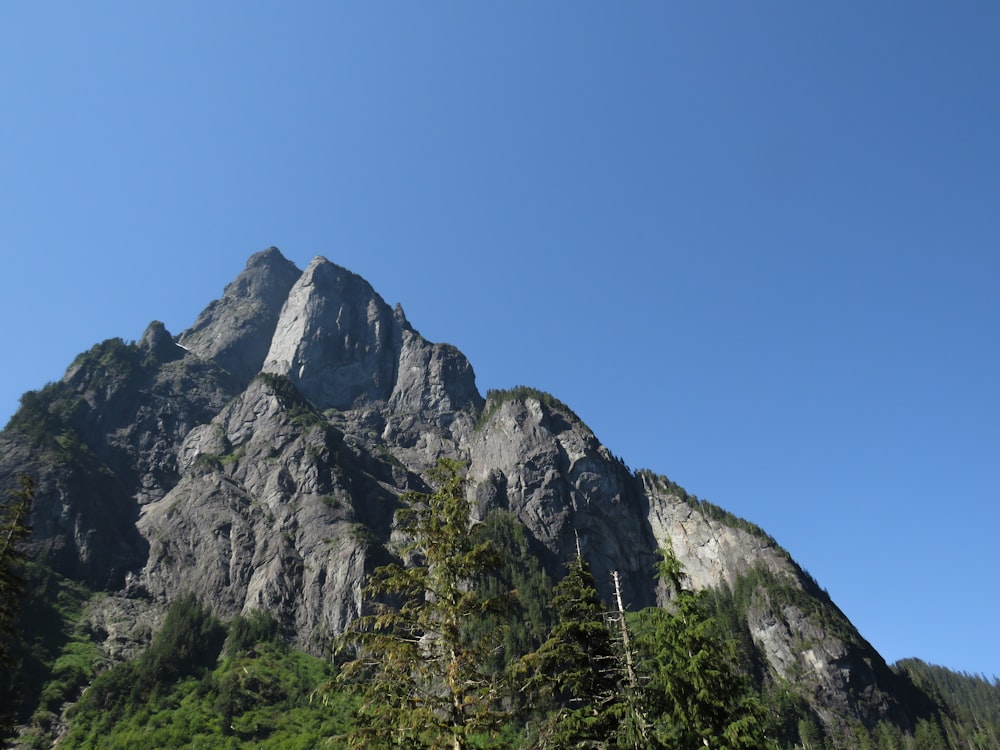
[{"x": 236, "y": 330}]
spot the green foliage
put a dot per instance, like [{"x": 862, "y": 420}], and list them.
[
  {"x": 656, "y": 679},
  {"x": 495, "y": 398},
  {"x": 51, "y": 658},
  {"x": 177, "y": 694},
  {"x": 803, "y": 594},
  {"x": 363, "y": 535},
  {"x": 332, "y": 501},
  {"x": 695, "y": 692},
  {"x": 187, "y": 644},
  {"x": 45, "y": 420},
  {"x": 246, "y": 632},
  {"x": 105, "y": 367},
  {"x": 14, "y": 530},
  {"x": 422, "y": 681},
  {"x": 267, "y": 699},
  {"x": 112, "y": 358},
  {"x": 297, "y": 406},
  {"x": 206, "y": 463},
  {"x": 520, "y": 571},
  {"x": 36, "y": 420},
  {"x": 574, "y": 676},
  {"x": 970, "y": 705}
]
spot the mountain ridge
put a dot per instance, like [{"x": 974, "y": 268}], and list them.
[{"x": 256, "y": 460}]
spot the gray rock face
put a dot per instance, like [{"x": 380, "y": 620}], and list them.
[
  {"x": 542, "y": 463},
  {"x": 712, "y": 552},
  {"x": 817, "y": 650},
  {"x": 432, "y": 378},
  {"x": 838, "y": 673},
  {"x": 336, "y": 339},
  {"x": 235, "y": 331},
  {"x": 269, "y": 515},
  {"x": 103, "y": 441},
  {"x": 535, "y": 458},
  {"x": 344, "y": 347}
]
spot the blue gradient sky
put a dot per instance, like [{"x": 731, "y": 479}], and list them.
[{"x": 754, "y": 245}]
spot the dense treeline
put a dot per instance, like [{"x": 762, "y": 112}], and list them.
[{"x": 970, "y": 703}]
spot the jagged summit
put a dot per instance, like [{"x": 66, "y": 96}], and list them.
[
  {"x": 336, "y": 338},
  {"x": 236, "y": 330},
  {"x": 332, "y": 335},
  {"x": 157, "y": 341}
]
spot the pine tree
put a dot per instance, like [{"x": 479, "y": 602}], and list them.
[
  {"x": 14, "y": 529},
  {"x": 927, "y": 736},
  {"x": 575, "y": 672},
  {"x": 696, "y": 694},
  {"x": 423, "y": 681}
]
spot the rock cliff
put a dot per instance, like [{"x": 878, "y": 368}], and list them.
[{"x": 235, "y": 331}]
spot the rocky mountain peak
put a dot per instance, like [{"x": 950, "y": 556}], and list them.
[
  {"x": 157, "y": 341},
  {"x": 336, "y": 339},
  {"x": 236, "y": 330}
]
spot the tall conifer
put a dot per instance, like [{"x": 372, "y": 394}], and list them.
[
  {"x": 696, "y": 694},
  {"x": 14, "y": 529},
  {"x": 423, "y": 682},
  {"x": 576, "y": 670}
]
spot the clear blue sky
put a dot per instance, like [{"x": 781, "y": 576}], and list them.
[{"x": 754, "y": 245}]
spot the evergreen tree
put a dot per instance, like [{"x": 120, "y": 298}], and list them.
[
  {"x": 696, "y": 694},
  {"x": 422, "y": 681},
  {"x": 14, "y": 530},
  {"x": 575, "y": 672},
  {"x": 529, "y": 618},
  {"x": 928, "y": 736},
  {"x": 889, "y": 737},
  {"x": 810, "y": 734}
]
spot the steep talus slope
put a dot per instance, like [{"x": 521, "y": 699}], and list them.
[{"x": 257, "y": 462}]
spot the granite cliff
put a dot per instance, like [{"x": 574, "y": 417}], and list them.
[{"x": 256, "y": 460}]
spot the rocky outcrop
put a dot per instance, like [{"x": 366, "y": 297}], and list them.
[
  {"x": 531, "y": 455},
  {"x": 336, "y": 339},
  {"x": 274, "y": 511},
  {"x": 712, "y": 551},
  {"x": 103, "y": 441},
  {"x": 236, "y": 330},
  {"x": 799, "y": 633},
  {"x": 343, "y": 347},
  {"x": 836, "y": 671}
]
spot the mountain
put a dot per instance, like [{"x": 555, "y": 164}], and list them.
[{"x": 256, "y": 461}]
